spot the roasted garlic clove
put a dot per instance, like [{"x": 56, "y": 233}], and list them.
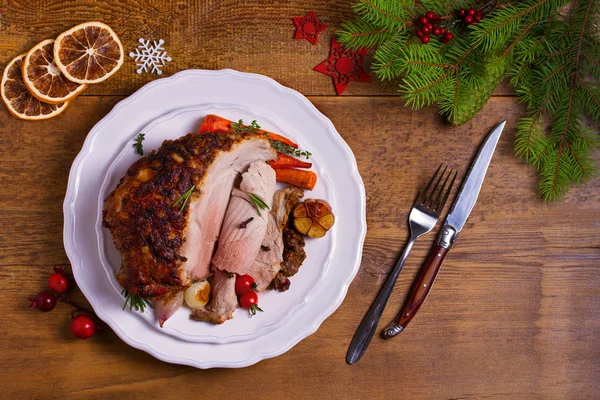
[
  {"x": 313, "y": 218},
  {"x": 197, "y": 295}
]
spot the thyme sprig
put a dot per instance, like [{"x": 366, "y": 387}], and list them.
[
  {"x": 138, "y": 145},
  {"x": 135, "y": 301},
  {"x": 239, "y": 127},
  {"x": 287, "y": 149},
  {"x": 184, "y": 197},
  {"x": 258, "y": 203},
  {"x": 254, "y": 127}
]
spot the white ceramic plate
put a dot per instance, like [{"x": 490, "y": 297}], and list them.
[{"x": 160, "y": 109}]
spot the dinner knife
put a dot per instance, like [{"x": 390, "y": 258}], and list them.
[{"x": 455, "y": 221}]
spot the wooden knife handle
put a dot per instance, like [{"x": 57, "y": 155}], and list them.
[{"x": 419, "y": 291}]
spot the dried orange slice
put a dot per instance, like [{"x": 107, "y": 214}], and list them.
[
  {"x": 19, "y": 100},
  {"x": 43, "y": 78},
  {"x": 88, "y": 53}
]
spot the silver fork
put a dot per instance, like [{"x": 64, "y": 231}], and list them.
[{"x": 422, "y": 218}]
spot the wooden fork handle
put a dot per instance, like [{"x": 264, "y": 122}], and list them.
[{"x": 419, "y": 291}]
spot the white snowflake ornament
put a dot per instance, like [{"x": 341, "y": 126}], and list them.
[{"x": 150, "y": 57}]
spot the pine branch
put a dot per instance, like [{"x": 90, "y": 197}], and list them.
[{"x": 551, "y": 54}]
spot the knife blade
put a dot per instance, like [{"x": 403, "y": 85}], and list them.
[{"x": 453, "y": 225}]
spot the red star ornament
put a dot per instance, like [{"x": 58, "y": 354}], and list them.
[
  {"x": 309, "y": 27},
  {"x": 344, "y": 66}
]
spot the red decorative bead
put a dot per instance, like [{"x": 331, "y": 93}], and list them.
[
  {"x": 419, "y": 33},
  {"x": 462, "y": 12},
  {"x": 471, "y": 11},
  {"x": 447, "y": 37},
  {"x": 430, "y": 15},
  {"x": 425, "y": 39},
  {"x": 443, "y": 30},
  {"x": 469, "y": 19},
  {"x": 423, "y": 20},
  {"x": 478, "y": 16},
  {"x": 426, "y": 30}
]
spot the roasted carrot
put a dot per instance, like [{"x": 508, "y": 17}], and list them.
[
  {"x": 282, "y": 139},
  {"x": 284, "y": 161},
  {"x": 297, "y": 177},
  {"x": 214, "y": 123}
]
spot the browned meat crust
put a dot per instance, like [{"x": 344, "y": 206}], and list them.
[
  {"x": 293, "y": 257},
  {"x": 146, "y": 228}
]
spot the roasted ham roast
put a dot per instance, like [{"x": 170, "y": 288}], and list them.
[{"x": 167, "y": 241}]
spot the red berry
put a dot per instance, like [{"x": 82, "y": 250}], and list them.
[
  {"x": 44, "y": 301},
  {"x": 425, "y": 39},
  {"x": 58, "y": 282},
  {"x": 419, "y": 33},
  {"x": 83, "y": 327},
  {"x": 471, "y": 11},
  {"x": 437, "y": 31},
  {"x": 430, "y": 15},
  {"x": 443, "y": 30},
  {"x": 469, "y": 19},
  {"x": 430, "y": 26},
  {"x": 462, "y": 12},
  {"x": 478, "y": 16},
  {"x": 426, "y": 30},
  {"x": 423, "y": 20},
  {"x": 447, "y": 37}
]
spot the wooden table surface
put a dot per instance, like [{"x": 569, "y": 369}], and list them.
[{"x": 515, "y": 312}]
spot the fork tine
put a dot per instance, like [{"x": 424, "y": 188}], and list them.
[
  {"x": 435, "y": 190},
  {"x": 437, "y": 202},
  {"x": 423, "y": 195},
  {"x": 448, "y": 191}
]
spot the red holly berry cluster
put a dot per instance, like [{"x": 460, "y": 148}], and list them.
[
  {"x": 471, "y": 16},
  {"x": 429, "y": 26},
  {"x": 83, "y": 322}
]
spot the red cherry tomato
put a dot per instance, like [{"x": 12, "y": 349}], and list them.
[
  {"x": 244, "y": 284},
  {"x": 83, "y": 327},
  {"x": 249, "y": 301},
  {"x": 58, "y": 283}
]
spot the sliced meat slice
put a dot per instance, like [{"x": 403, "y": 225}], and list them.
[
  {"x": 244, "y": 229},
  {"x": 268, "y": 261},
  {"x": 223, "y": 302}
]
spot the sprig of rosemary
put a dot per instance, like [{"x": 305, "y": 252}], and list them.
[
  {"x": 239, "y": 127},
  {"x": 135, "y": 301},
  {"x": 258, "y": 203},
  {"x": 185, "y": 197},
  {"x": 138, "y": 146},
  {"x": 287, "y": 149}
]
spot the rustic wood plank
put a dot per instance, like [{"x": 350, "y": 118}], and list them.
[
  {"x": 251, "y": 36},
  {"x": 513, "y": 314}
]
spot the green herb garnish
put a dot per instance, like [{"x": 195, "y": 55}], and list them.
[
  {"x": 287, "y": 149},
  {"x": 135, "y": 301},
  {"x": 258, "y": 203},
  {"x": 138, "y": 146},
  {"x": 184, "y": 197},
  {"x": 239, "y": 127}
]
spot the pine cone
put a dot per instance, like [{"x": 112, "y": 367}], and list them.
[{"x": 472, "y": 101}]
